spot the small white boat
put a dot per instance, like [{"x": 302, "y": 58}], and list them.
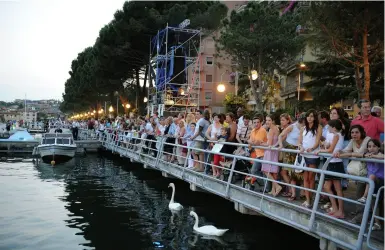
[{"x": 57, "y": 147}]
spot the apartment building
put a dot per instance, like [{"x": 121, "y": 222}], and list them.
[
  {"x": 214, "y": 70},
  {"x": 29, "y": 116}
]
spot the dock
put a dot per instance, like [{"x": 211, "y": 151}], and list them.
[
  {"x": 332, "y": 233},
  {"x": 27, "y": 147}
]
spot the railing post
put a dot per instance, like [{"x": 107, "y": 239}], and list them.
[
  {"x": 230, "y": 176},
  {"x": 365, "y": 215},
  {"x": 374, "y": 216},
  {"x": 160, "y": 152},
  {"x": 188, "y": 156},
  {"x": 317, "y": 195}
]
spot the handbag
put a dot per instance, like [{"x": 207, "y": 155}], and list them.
[
  {"x": 357, "y": 168},
  {"x": 299, "y": 162}
]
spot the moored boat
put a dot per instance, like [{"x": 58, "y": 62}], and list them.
[{"x": 58, "y": 147}]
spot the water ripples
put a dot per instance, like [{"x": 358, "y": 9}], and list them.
[{"x": 104, "y": 203}]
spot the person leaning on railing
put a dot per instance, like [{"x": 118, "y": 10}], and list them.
[
  {"x": 288, "y": 139},
  {"x": 309, "y": 141},
  {"x": 334, "y": 142},
  {"x": 257, "y": 137},
  {"x": 285, "y": 121},
  {"x": 271, "y": 170},
  {"x": 356, "y": 148}
]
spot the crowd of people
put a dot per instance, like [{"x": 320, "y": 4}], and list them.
[{"x": 194, "y": 140}]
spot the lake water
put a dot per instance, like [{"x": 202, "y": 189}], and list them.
[{"x": 101, "y": 202}]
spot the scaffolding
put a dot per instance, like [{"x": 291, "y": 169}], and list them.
[{"x": 175, "y": 66}]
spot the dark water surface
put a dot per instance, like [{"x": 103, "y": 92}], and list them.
[{"x": 105, "y": 203}]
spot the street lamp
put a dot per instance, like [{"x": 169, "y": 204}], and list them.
[
  {"x": 302, "y": 65},
  {"x": 128, "y": 106},
  {"x": 254, "y": 75},
  {"x": 221, "y": 87},
  {"x": 111, "y": 109},
  {"x": 145, "y": 100}
]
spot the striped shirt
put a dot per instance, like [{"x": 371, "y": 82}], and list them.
[{"x": 244, "y": 132}]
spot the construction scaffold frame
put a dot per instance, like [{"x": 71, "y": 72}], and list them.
[{"x": 176, "y": 87}]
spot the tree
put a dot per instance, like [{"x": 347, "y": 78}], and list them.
[
  {"x": 121, "y": 52},
  {"x": 259, "y": 37},
  {"x": 352, "y": 32}
]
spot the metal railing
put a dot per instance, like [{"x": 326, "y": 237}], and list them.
[
  {"x": 143, "y": 150},
  {"x": 379, "y": 197}
]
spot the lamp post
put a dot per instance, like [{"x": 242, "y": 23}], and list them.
[{"x": 302, "y": 66}]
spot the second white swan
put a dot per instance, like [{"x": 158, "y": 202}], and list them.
[
  {"x": 174, "y": 205},
  {"x": 207, "y": 230}
]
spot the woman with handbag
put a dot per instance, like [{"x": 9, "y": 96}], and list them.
[
  {"x": 309, "y": 141},
  {"x": 289, "y": 139}
]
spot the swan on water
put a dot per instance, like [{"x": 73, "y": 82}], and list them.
[
  {"x": 207, "y": 230},
  {"x": 174, "y": 205}
]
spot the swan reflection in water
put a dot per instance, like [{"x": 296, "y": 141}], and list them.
[
  {"x": 197, "y": 235},
  {"x": 174, "y": 214}
]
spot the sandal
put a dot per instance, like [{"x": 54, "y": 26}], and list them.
[
  {"x": 376, "y": 227},
  {"x": 338, "y": 216},
  {"x": 286, "y": 194},
  {"x": 292, "y": 198},
  {"x": 306, "y": 205},
  {"x": 326, "y": 206},
  {"x": 362, "y": 200},
  {"x": 277, "y": 191}
]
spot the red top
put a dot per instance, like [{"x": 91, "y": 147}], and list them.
[{"x": 373, "y": 126}]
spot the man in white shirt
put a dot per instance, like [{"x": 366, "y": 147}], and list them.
[
  {"x": 200, "y": 130},
  {"x": 244, "y": 130},
  {"x": 240, "y": 117},
  {"x": 75, "y": 129},
  {"x": 149, "y": 130}
]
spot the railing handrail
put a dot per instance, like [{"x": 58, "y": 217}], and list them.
[{"x": 296, "y": 151}]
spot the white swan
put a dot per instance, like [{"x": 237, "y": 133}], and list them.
[
  {"x": 207, "y": 230},
  {"x": 173, "y": 205}
]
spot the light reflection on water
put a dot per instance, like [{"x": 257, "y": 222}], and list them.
[{"x": 106, "y": 203}]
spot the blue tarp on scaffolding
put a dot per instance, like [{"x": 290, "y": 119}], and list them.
[{"x": 161, "y": 80}]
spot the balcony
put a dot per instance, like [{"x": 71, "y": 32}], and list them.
[{"x": 291, "y": 88}]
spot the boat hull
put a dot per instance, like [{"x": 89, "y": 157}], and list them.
[{"x": 56, "y": 153}]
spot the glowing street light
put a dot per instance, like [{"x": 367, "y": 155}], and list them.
[
  {"x": 302, "y": 65},
  {"x": 128, "y": 106},
  {"x": 145, "y": 100},
  {"x": 221, "y": 88},
  {"x": 254, "y": 75},
  {"x": 111, "y": 109}
]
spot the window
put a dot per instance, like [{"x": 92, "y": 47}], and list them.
[
  {"x": 209, "y": 60},
  {"x": 209, "y": 78},
  {"x": 208, "y": 96},
  {"x": 209, "y": 43}
]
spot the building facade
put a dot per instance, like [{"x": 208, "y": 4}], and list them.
[
  {"x": 214, "y": 70},
  {"x": 28, "y": 116}
]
